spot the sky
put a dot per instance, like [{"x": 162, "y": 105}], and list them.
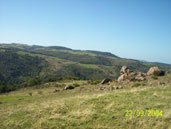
[{"x": 136, "y": 29}]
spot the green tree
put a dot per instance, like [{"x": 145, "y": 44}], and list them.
[{"x": 33, "y": 81}]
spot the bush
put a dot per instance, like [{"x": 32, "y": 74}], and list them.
[
  {"x": 2, "y": 89},
  {"x": 30, "y": 93},
  {"x": 71, "y": 78},
  {"x": 154, "y": 77},
  {"x": 40, "y": 92},
  {"x": 137, "y": 84},
  {"x": 32, "y": 82},
  {"x": 52, "y": 79}
]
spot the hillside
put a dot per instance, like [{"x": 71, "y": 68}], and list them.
[
  {"x": 48, "y": 106},
  {"x": 20, "y": 63}
]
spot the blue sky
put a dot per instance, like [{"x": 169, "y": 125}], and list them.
[{"x": 137, "y": 29}]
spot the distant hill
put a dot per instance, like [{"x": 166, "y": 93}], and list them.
[{"x": 20, "y": 62}]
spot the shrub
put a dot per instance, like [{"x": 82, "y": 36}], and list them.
[
  {"x": 52, "y": 79},
  {"x": 137, "y": 84},
  {"x": 71, "y": 78},
  {"x": 154, "y": 77},
  {"x": 30, "y": 93},
  {"x": 32, "y": 82},
  {"x": 40, "y": 92}
]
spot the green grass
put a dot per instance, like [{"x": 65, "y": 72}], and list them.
[
  {"x": 41, "y": 55},
  {"x": 154, "y": 77},
  {"x": 91, "y": 66},
  {"x": 6, "y": 99},
  {"x": 83, "y": 108},
  {"x": 2, "y": 50},
  {"x": 77, "y": 52}
]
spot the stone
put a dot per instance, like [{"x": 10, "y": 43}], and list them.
[
  {"x": 120, "y": 87},
  {"x": 105, "y": 81},
  {"x": 155, "y": 71},
  {"x": 127, "y": 74},
  {"x": 124, "y": 69},
  {"x": 140, "y": 78},
  {"x": 161, "y": 83},
  {"x": 101, "y": 88},
  {"x": 69, "y": 87},
  {"x": 56, "y": 91},
  {"x": 121, "y": 78}
]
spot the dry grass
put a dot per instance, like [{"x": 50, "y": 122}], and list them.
[{"x": 77, "y": 109}]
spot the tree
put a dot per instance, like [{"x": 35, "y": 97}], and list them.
[{"x": 33, "y": 81}]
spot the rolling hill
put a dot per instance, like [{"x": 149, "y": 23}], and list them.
[{"x": 21, "y": 62}]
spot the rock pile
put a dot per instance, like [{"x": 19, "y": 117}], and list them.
[
  {"x": 127, "y": 74},
  {"x": 155, "y": 71}
]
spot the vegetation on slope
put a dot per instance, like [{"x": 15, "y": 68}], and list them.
[
  {"x": 20, "y": 63},
  {"x": 13, "y": 66}
]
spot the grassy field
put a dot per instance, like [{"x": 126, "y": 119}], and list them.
[{"x": 86, "y": 107}]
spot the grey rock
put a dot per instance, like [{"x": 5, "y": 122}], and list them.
[
  {"x": 105, "y": 81},
  {"x": 69, "y": 87},
  {"x": 155, "y": 71}
]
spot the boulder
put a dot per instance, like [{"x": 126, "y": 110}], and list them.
[
  {"x": 123, "y": 70},
  {"x": 69, "y": 87},
  {"x": 155, "y": 71},
  {"x": 121, "y": 78},
  {"x": 140, "y": 76},
  {"x": 127, "y": 74},
  {"x": 120, "y": 87},
  {"x": 128, "y": 71},
  {"x": 56, "y": 91},
  {"x": 105, "y": 81}
]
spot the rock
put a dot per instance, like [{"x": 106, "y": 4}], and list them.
[
  {"x": 127, "y": 74},
  {"x": 112, "y": 88},
  {"x": 141, "y": 74},
  {"x": 101, "y": 88},
  {"x": 107, "y": 80},
  {"x": 123, "y": 70},
  {"x": 151, "y": 84},
  {"x": 56, "y": 91},
  {"x": 120, "y": 87},
  {"x": 133, "y": 74},
  {"x": 161, "y": 83},
  {"x": 121, "y": 78},
  {"x": 129, "y": 71},
  {"x": 69, "y": 87},
  {"x": 155, "y": 71},
  {"x": 140, "y": 77}
]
